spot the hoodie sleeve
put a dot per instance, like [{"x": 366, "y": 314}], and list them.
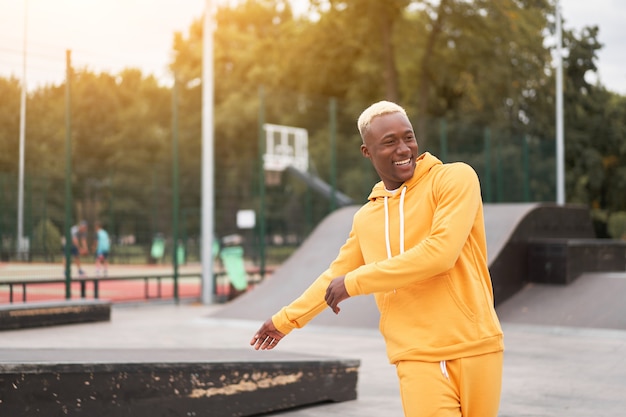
[
  {"x": 308, "y": 305},
  {"x": 457, "y": 192}
]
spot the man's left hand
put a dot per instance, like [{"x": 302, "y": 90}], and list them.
[{"x": 336, "y": 293}]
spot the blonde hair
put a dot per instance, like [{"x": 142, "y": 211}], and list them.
[{"x": 377, "y": 109}]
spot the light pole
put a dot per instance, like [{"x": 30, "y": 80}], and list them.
[
  {"x": 560, "y": 145},
  {"x": 208, "y": 189},
  {"x": 20, "y": 186}
]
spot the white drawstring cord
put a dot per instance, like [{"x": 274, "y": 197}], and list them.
[
  {"x": 444, "y": 369},
  {"x": 402, "y": 219},
  {"x": 387, "y": 238},
  {"x": 387, "y": 243},
  {"x": 401, "y": 209}
]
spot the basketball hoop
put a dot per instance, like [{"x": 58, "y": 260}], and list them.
[{"x": 285, "y": 146}]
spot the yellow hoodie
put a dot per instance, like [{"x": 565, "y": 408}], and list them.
[{"x": 422, "y": 252}]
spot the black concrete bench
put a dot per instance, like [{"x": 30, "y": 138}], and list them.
[
  {"x": 560, "y": 261},
  {"x": 172, "y": 382},
  {"x": 51, "y": 313}
]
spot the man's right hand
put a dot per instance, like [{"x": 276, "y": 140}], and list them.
[{"x": 267, "y": 337}]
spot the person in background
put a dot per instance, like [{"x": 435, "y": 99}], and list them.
[
  {"x": 79, "y": 247},
  {"x": 102, "y": 246},
  {"x": 419, "y": 246}
]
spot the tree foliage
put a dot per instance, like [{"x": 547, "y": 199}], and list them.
[{"x": 472, "y": 70}]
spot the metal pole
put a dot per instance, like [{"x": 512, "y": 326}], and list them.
[
  {"x": 68, "y": 177},
  {"x": 155, "y": 202},
  {"x": 208, "y": 191},
  {"x": 261, "y": 140},
  {"x": 560, "y": 145},
  {"x": 526, "y": 168},
  {"x": 175, "y": 199},
  {"x": 499, "y": 173},
  {"x": 487, "y": 182},
  {"x": 443, "y": 139},
  {"x": 333, "y": 153},
  {"x": 2, "y": 207},
  {"x": 44, "y": 222},
  {"x": 110, "y": 206},
  {"x": 20, "y": 186}
]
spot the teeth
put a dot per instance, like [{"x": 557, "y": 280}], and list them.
[{"x": 406, "y": 161}]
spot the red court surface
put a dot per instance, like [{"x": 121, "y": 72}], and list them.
[{"x": 139, "y": 283}]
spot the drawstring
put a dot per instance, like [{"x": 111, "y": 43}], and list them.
[
  {"x": 387, "y": 242},
  {"x": 444, "y": 369},
  {"x": 401, "y": 208},
  {"x": 402, "y": 219},
  {"x": 388, "y": 245}
]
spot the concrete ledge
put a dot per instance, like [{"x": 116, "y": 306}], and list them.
[
  {"x": 39, "y": 314},
  {"x": 98, "y": 383}
]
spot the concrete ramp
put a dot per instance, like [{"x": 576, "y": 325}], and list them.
[
  {"x": 298, "y": 272},
  {"x": 509, "y": 228},
  {"x": 501, "y": 221}
]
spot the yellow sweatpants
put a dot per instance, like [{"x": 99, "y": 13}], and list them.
[{"x": 466, "y": 387}]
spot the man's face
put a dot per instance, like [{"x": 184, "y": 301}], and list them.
[{"x": 391, "y": 146}]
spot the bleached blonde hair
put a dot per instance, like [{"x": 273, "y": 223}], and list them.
[{"x": 377, "y": 109}]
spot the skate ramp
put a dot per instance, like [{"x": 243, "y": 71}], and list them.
[
  {"x": 511, "y": 227},
  {"x": 508, "y": 228},
  {"x": 295, "y": 275}
]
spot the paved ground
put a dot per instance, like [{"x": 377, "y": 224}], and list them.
[{"x": 550, "y": 370}]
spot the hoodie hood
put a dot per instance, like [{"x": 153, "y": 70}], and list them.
[{"x": 423, "y": 164}]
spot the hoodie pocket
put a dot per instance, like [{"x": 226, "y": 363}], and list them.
[
  {"x": 429, "y": 313},
  {"x": 462, "y": 305}
]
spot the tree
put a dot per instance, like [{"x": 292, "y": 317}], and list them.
[{"x": 460, "y": 68}]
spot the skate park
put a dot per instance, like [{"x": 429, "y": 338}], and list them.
[
  {"x": 564, "y": 336},
  {"x": 153, "y": 153}
]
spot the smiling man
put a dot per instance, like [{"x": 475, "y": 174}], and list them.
[{"x": 419, "y": 247}]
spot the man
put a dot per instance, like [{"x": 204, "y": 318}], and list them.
[
  {"x": 79, "y": 244},
  {"x": 419, "y": 246}
]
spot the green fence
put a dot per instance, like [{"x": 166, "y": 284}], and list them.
[
  {"x": 137, "y": 201},
  {"x": 511, "y": 167}
]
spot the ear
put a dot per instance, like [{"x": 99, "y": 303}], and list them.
[{"x": 364, "y": 151}]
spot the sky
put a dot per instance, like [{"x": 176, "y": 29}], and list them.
[{"x": 111, "y": 35}]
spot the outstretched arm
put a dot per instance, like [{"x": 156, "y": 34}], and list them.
[{"x": 312, "y": 301}]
